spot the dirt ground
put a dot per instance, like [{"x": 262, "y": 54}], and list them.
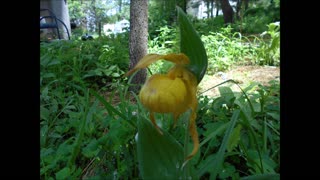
[{"x": 244, "y": 75}]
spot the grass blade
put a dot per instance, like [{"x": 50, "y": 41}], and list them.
[{"x": 110, "y": 108}]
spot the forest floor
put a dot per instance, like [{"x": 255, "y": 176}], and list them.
[{"x": 243, "y": 75}]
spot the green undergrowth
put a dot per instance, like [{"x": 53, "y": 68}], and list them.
[
  {"x": 89, "y": 120},
  {"x": 225, "y": 48},
  {"x": 86, "y": 134}
]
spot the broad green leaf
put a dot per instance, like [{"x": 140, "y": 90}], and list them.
[
  {"x": 227, "y": 171},
  {"x": 44, "y": 113},
  {"x": 159, "y": 156},
  {"x": 43, "y": 135},
  {"x": 234, "y": 138},
  {"x": 192, "y": 46},
  {"x": 212, "y": 132},
  {"x": 226, "y": 93},
  {"x": 63, "y": 173},
  {"x": 92, "y": 149},
  {"x": 268, "y": 164},
  {"x": 275, "y": 116},
  {"x": 65, "y": 148},
  {"x": 251, "y": 86},
  {"x": 244, "y": 107},
  {"x": 204, "y": 163},
  {"x": 115, "y": 74}
]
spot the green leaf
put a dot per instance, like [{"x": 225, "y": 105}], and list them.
[
  {"x": 216, "y": 163},
  {"x": 234, "y": 138},
  {"x": 251, "y": 86},
  {"x": 226, "y": 93},
  {"x": 43, "y": 135},
  {"x": 53, "y": 62},
  {"x": 48, "y": 75},
  {"x": 268, "y": 164},
  {"x": 159, "y": 156},
  {"x": 63, "y": 173},
  {"x": 262, "y": 177},
  {"x": 192, "y": 46},
  {"x": 213, "y": 131},
  {"x": 108, "y": 106},
  {"x": 92, "y": 149},
  {"x": 275, "y": 116},
  {"x": 227, "y": 171},
  {"x": 115, "y": 74},
  {"x": 44, "y": 113},
  {"x": 111, "y": 110}
]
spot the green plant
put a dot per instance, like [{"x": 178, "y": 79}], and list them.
[
  {"x": 84, "y": 62},
  {"x": 205, "y": 26},
  {"x": 254, "y": 19},
  {"x": 88, "y": 127},
  {"x": 105, "y": 147},
  {"x": 77, "y": 135},
  {"x": 166, "y": 42},
  {"x": 269, "y": 52},
  {"x": 239, "y": 136},
  {"x": 225, "y": 48},
  {"x": 254, "y": 138}
]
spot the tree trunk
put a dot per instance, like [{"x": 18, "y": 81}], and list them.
[
  {"x": 246, "y": 4},
  {"x": 238, "y": 9},
  {"x": 208, "y": 9},
  {"x": 227, "y": 11},
  {"x": 95, "y": 21},
  {"x": 217, "y": 7},
  {"x": 60, "y": 9},
  {"x": 138, "y": 39},
  {"x": 183, "y": 5},
  {"x": 99, "y": 28},
  {"x": 120, "y": 5},
  {"x": 211, "y": 10}
]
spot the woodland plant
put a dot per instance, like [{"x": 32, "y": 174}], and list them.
[
  {"x": 88, "y": 134},
  {"x": 174, "y": 92},
  {"x": 225, "y": 48},
  {"x": 269, "y": 53},
  {"x": 160, "y": 155}
]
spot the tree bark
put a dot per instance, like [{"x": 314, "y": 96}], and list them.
[
  {"x": 211, "y": 9},
  {"x": 238, "y": 9},
  {"x": 217, "y": 7},
  {"x": 227, "y": 11},
  {"x": 184, "y": 5},
  {"x": 60, "y": 9},
  {"x": 120, "y": 5},
  {"x": 99, "y": 28},
  {"x": 208, "y": 8},
  {"x": 246, "y": 4},
  {"x": 138, "y": 39}
]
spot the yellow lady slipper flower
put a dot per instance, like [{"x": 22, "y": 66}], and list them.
[{"x": 174, "y": 92}]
